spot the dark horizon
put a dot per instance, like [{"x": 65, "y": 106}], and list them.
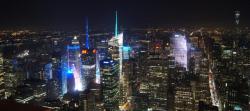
[{"x": 62, "y": 14}]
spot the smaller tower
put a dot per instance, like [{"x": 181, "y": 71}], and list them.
[
  {"x": 237, "y": 17},
  {"x": 88, "y": 57}
]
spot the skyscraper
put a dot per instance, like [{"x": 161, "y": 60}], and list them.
[
  {"x": 88, "y": 57},
  {"x": 109, "y": 84},
  {"x": 179, "y": 48},
  {"x": 74, "y": 62},
  {"x": 71, "y": 63},
  {"x": 154, "y": 81},
  {"x": 116, "y": 43}
]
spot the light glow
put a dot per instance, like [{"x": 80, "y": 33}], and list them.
[
  {"x": 94, "y": 51},
  {"x": 78, "y": 85},
  {"x": 179, "y": 46},
  {"x": 84, "y": 51}
]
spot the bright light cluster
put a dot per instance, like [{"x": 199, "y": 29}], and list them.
[
  {"x": 78, "y": 84},
  {"x": 179, "y": 46}
]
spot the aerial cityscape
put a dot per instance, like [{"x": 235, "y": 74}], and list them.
[{"x": 124, "y": 55}]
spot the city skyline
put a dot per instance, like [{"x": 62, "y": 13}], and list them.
[{"x": 125, "y": 56}]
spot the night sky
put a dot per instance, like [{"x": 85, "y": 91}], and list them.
[{"x": 132, "y": 13}]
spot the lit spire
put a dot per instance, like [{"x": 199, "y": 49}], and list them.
[
  {"x": 116, "y": 24},
  {"x": 87, "y": 45}
]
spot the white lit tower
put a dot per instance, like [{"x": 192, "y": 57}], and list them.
[
  {"x": 116, "y": 51},
  {"x": 178, "y": 44},
  {"x": 73, "y": 53},
  {"x": 88, "y": 56},
  {"x": 237, "y": 17},
  {"x": 116, "y": 44},
  {"x": 237, "y": 28}
]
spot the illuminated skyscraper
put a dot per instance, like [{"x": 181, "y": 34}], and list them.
[
  {"x": 88, "y": 57},
  {"x": 116, "y": 51},
  {"x": 74, "y": 62},
  {"x": 101, "y": 54},
  {"x": 116, "y": 44},
  {"x": 154, "y": 80},
  {"x": 88, "y": 66},
  {"x": 179, "y": 48},
  {"x": 71, "y": 63},
  {"x": 110, "y": 84}
]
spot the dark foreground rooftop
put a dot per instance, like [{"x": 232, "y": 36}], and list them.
[{"x": 8, "y": 105}]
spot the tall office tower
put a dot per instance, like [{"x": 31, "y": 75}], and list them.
[
  {"x": 110, "y": 84},
  {"x": 116, "y": 44},
  {"x": 198, "y": 68},
  {"x": 184, "y": 98},
  {"x": 179, "y": 49},
  {"x": 140, "y": 71},
  {"x": 74, "y": 62},
  {"x": 88, "y": 57},
  {"x": 116, "y": 51},
  {"x": 154, "y": 79},
  {"x": 2, "y": 88},
  {"x": 71, "y": 63},
  {"x": 152, "y": 75},
  {"x": 101, "y": 54},
  {"x": 155, "y": 82}
]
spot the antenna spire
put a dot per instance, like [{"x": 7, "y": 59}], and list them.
[
  {"x": 116, "y": 24},
  {"x": 87, "y": 33}
]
